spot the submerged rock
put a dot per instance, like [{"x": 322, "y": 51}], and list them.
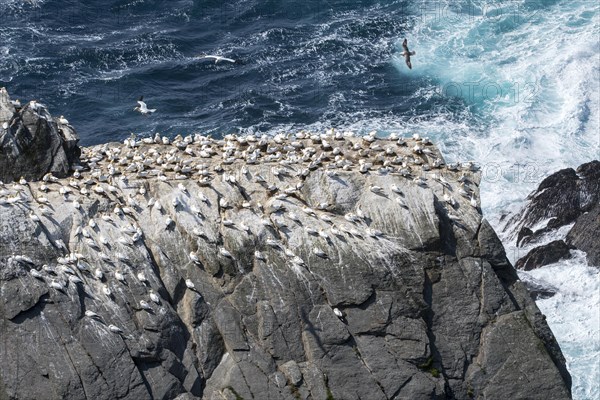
[{"x": 252, "y": 267}]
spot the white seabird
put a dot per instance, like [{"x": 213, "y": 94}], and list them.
[
  {"x": 338, "y": 313},
  {"x": 259, "y": 256},
  {"x": 320, "y": 253},
  {"x": 115, "y": 329},
  {"x": 143, "y": 108},
  {"x": 225, "y": 253},
  {"x": 395, "y": 189},
  {"x": 119, "y": 276},
  {"x": 144, "y": 304},
  {"x": 154, "y": 297},
  {"x": 473, "y": 201},
  {"x": 91, "y": 314},
  {"x": 189, "y": 284},
  {"x": 216, "y": 58},
  {"x": 377, "y": 190},
  {"x": 57, "y": 285},
  {"x": 141, "y": 277},
  {"x": 194, "y": 257},
  {"x": 36, "y": 274}
]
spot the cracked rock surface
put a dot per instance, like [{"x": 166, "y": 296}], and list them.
[{"x": 284, "y": 268}]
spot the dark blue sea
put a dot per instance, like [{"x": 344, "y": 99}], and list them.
[{"x": 511, "y": 84}]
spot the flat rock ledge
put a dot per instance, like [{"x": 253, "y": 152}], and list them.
[{"x": 304, "y": 267}]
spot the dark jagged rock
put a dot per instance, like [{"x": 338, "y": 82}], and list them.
[
  {"x": 585, "y": 235},
  {"x": 544, "y": 255},
  {"x": 565, "y": 197},
  {"x": 320, "y": 277},
  {"x": 32, "y": 143},
  {"x": 559, "y": 200}
]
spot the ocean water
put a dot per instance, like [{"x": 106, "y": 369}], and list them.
[{"x": 511, "y": 84}]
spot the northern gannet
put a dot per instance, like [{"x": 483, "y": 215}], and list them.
[
  {"x": 406, "y": 53},
  {"x": 115, "y": 329},
  {"x": 216, "y": 58},
  {"x": 143, "y": 108},
  {"x": 189, "y": 284},
  {"x": 91, "y": 314}
]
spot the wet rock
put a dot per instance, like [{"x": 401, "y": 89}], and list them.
[
  {"x": 565, "y": 197},
  {"x": 558, "y": 200},
  {"x": 585, "y": 235},
  {"x": 544, "y": 255}
]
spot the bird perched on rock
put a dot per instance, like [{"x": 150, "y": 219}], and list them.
[
  {"x": 194, "y": 257},
  {"x": 154, "y": 297},
  {"x": 189, "y": 284},
  {"x": 57, "y": 285},
  {"x": 36, "y": 274},
  {"x": 144, "y": 305},
  {"x": 91, "y": 314},
  {"x": 115, "y": 329},
  {"x": 377, "y": 190},
  {"x": 320, "y": 253}
]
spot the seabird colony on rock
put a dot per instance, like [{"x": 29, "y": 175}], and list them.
[{"x": 109, "y": 168}]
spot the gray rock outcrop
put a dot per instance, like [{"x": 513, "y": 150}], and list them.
[
  {"x": 32, "y": 143},
  {"x": 288, "y": 268}
]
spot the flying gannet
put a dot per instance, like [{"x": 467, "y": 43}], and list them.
[
  {"x": 143, "y": 108},
  {"x": 216, "y": 58},
  {"x": 406, "y": 53}
]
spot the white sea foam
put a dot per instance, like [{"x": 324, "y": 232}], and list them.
[
  {"x": 533, "y": 76},
  {"x": 528, "y": 74},
  {"x": 574, "y": 316},
  {"x": 514, "y": 253}
]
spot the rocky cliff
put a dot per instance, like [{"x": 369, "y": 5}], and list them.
[{"x": 305, "y": 267}]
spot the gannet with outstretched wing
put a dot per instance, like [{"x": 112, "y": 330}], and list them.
[
  {"x": 217, "y": 58},
  {"x": 406, "y": 53},
  {"x": 143, "y": 108}
]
